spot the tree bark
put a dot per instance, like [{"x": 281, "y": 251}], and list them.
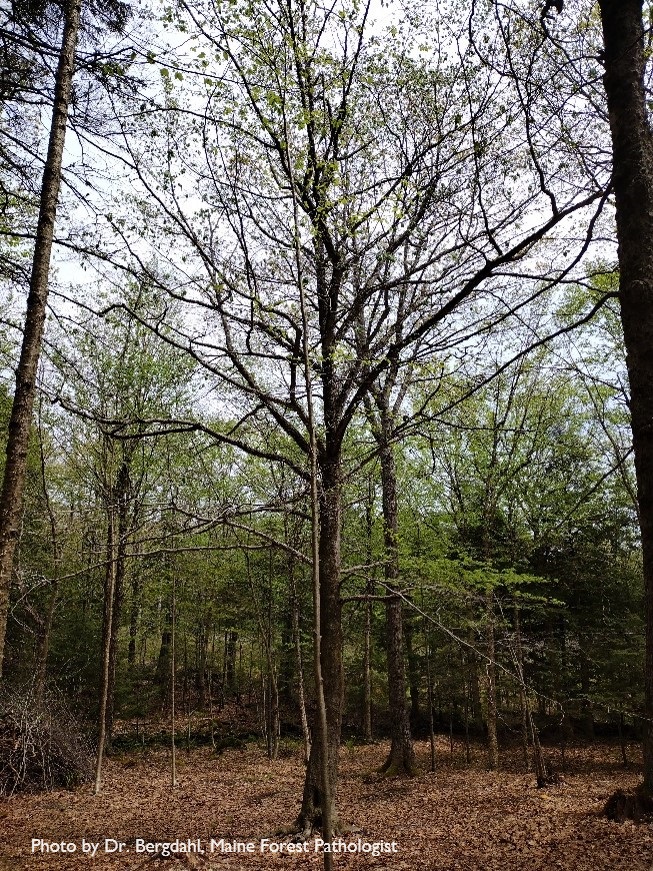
[
  {"x": 632, "y": 148},
  {"x": 413, "y": 671},
  {"x": 301, "y": 693},
  {"x": 491, "y": 683},
  {"x": 587, "y": 715},
  {"x": 331, "y": 645},
  {"x": 41, "y": 665},
  {"x": 134, "y": 615},
  {"x": 401, "y": 759},
  {"x": 230, "y": 648},
  {"x": 106, "y": 642},
  {"x": 367, "y": 640},
  {"x": 121, "y": 497},
  {"x": 21, "y": 413},
  {"x": 523, "y": 701}
]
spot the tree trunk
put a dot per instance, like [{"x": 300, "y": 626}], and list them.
[
  {"x": 413, "y": 671},
  {"x": 587, "y": 715},
  {"x": 401, "y": 759},
  {"x": 106, "y": 643},
  {"x": 491, "y": 674},
  {"x": 162, "y": 673},
  {"x": 21, "y": 413},
  {"x": 41, "y": 665},
  {"x": 134, "y": 614},
  {"x": 632, "y": 148},
  {"x": 116, "y": 551},
  {"x": 367, "y": 669},
  {"x": 367, "y": 640},
  {"x": 201, "y": 659},
  {"x": 173, "y": 681},
  {"x": 331, "y": 645},
  {"x": 519, "y": 654},
  {"x": 474, "y": 685},
  {"x": 429, "y": 685},
  {"x": 301, "y": 694},
  {"x": 230, "y": 648},
  {"x": 44, "y": 644}
]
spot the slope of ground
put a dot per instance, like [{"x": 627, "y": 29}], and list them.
[{"x": 462, "y": 818}]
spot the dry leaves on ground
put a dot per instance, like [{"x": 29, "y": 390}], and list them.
[{"x": 459, "y": 819}]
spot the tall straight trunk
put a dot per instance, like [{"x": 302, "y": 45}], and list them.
[
  {"x": 330, "y": 643},
  {"x": 43, "y": 648},
  {"x": 134, "y": 615},
  {"x": 301, "y": 693},
  {"x": 474, "y": 684},
  {"x": 173, "y": 681},
  {"x": 413, "y": 670},
  {"x": 201, "y": 660},
  {"x": 523, "y": 701},
  {"x": 41, "y": 664},
  {"x": 299, "y": 661},
  {"x": 491, "y": 685},
  {"x": 632, "y": 148},
  {"x": 230, "y": 650},
  {"x": 429, "y": 689},
  {"x": 401, "y": 759},
  {"x": 118, "y": 598},
  {"x": 587, "y": 715},
  {"x": 270, "y": 683},
  {"x": 106, "y": 642},
  {"x": 367, "y": 668},
  {"x": 117, "y": 553},
  {"x": 326, "y": 510},
  {"x": 13, "y": 484},
  {"x": 367, "y": 639}
]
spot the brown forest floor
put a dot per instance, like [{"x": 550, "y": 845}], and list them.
[{"x": 458, "y": 818}]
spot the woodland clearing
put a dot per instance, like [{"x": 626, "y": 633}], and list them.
[{"x": 460, "y": 817}]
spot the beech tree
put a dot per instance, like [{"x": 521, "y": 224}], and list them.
[{"x": 339, "y": 148}]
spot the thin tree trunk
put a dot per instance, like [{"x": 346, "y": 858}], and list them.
[
  {"x": 13, "y": 484},
  {"x": 474, "y": 685},
  {"x": 301, "y": 692},
  {"x": 413, "y": 670},
  {"x": 231, "y": 647},
  {"x": 401, "y": 759},
  {"x": 173, "y": 675},
  {"x": 201, "y": 658},
  {"x": 104, "y": 689},
  {"x": 119, "y": 498},
  {"x": 271, "y": 691},
  {"x": 519, "y": 653},
  {"x": 587, "y": 715},
  {"x": 430, "y": 701},
  {"x": 134, "y": 613},
  {"x": 367, "y": 640},
  {"x": 46, "y": 627},
  {"x": 491, "y": 675}
]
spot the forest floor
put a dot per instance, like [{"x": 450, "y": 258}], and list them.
[{"x": 460, "y": 817}]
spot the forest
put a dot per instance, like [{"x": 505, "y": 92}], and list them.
[{"x": 326, "y": 526}]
